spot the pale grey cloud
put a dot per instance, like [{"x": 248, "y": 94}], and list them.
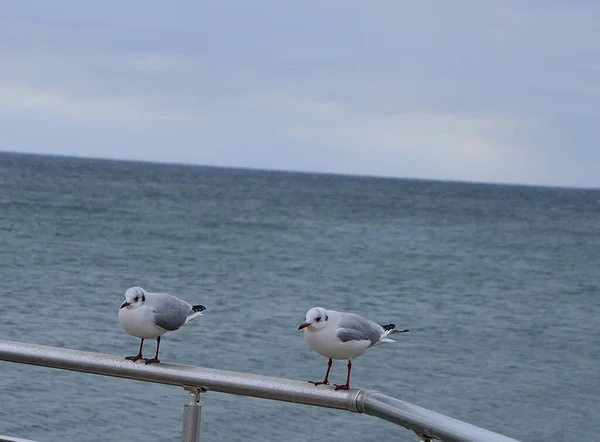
[{"x": 468, "y": 90}]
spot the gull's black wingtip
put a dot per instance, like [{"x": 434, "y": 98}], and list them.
[
  {"x": 198, "y": 308},
  {"x": 391, "y": 329}
]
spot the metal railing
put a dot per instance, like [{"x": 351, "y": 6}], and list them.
[
  {"x": 427, "y": 424},
  {"x": 13, "y": 439}
]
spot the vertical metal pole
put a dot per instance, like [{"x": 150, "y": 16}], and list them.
[{"x": 192, "y": 411}]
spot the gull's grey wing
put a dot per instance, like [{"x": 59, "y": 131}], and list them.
[
  {"x": 352, "y": 327},
  {"x": 170, "y": 313}
]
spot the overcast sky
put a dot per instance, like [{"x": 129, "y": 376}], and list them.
[{"x": 505, "y": 91}]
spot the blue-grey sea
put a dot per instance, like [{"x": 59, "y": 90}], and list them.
[{"x": 499, "y": 286}]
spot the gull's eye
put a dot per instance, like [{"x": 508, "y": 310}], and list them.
[
  {"x": 318, "y": 318},
  {"x": 136, "y": 299}
]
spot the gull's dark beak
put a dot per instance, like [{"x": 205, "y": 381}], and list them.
[
  {"x": 125, "y": 304},
  {"x": 303, "y": 325}
]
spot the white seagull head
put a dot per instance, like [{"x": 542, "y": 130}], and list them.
[
  {"x": 134, "y": 297},
  {"x": 316, "y": 319}
]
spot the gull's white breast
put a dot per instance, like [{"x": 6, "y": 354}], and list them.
[
  {"x": 326, "y": 343},
  {"x": 140, "y": 322}
]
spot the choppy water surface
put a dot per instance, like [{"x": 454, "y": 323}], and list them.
[{"x": 498, "y": 284}]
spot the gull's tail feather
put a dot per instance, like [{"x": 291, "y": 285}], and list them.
[
  {"x": 388, "y": 329},
  {"x": 197, "y": 311},
  {"x": 383, "y": 341}
]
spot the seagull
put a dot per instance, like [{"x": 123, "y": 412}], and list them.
[
  {"x": 342, "y": 335},
  {"x": 150, "y": 315}
]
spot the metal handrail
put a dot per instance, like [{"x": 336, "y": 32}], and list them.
[
  {"x": 13, "y": 439},
  {"x": 426, "y": 423}
]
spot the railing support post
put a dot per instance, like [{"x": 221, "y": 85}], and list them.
[{"x": 192, "y": 411}]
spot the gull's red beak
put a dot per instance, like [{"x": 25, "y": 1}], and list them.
[
  {"x": 303, "y": 325},
  {"x": 125, "y": 304}
]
